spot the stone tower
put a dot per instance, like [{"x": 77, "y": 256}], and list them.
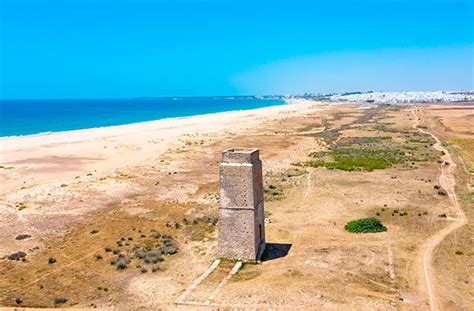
[{"x": 241, "y": 222}]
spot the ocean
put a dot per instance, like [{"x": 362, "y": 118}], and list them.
[{"x": 27, "y": 117}]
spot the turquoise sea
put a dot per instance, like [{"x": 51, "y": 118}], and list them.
[{"x": 26, "y": 117}]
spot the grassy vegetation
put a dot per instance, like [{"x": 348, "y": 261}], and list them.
[
  {"x": 366, "y": 153},
  {"x": 145, "y": 257},
  {"x": 203, "y": 227},
  {"x": 466, "y": 148},
  {"x": 383, "y": 127},
  {"x": 152, "y": 254},
  {"x": 468, "y": 197},
  {"x": 273, "y": 193},
  {"x": 242, "y": 276},
  {"x": 363, "y": 140},
  {"x": 365, "y": 225},
  {"x": 357, "y": 159}
]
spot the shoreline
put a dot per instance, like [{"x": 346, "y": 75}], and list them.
[
  {"x": 139, "y": 125},
  {"x": 60, "y": 156},
  {"x": 46, "y": 133},
  {"x": 135, "y": 124}
]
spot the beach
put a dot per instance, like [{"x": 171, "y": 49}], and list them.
[{"x": 61, "y": 156}]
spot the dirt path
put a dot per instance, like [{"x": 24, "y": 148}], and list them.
[
  {"x": 206, "y": 287},
  {"x": 448, "y": 182}
]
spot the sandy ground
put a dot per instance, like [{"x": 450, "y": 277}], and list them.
[{"x": 78, "y": 193}]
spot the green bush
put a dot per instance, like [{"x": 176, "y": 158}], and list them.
[{"x": 365, "y": 225}]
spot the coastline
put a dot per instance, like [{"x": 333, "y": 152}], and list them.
[
  {"x": 51, "y": 131},
  {"x": 130, "y": 126},
  {"x": 58, "y": 157}
]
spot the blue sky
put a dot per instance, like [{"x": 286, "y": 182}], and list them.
[{"x": 128, "y": 48}]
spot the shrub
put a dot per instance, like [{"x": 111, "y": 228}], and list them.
[
  {"x": 22, "y": 236},
  {"x": 51, "y": 260},
  {"x": 156, "y": 235},
  {"x": 17, "y": 256},
  {"x": 59, "y": 300},
  {"x": 168, "y": 249},
  {"x": 459, "y": 252},
  {"x": 154, "y": 253},
  {"x": 140, "y": 254},
  {"x": 121, "y": 263},
  {"x": 365, "y": 225}
]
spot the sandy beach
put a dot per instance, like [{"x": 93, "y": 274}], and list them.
[{"x": 59, "y": 157}]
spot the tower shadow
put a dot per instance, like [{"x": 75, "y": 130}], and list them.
[{"x": 275, "y": 251}]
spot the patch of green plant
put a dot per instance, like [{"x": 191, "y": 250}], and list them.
[
  {"x": 383, "y": 127},
  {"x": 362, "y": 140},
  {"x": 421, "y": 141},
  {"x": 468, "y": 197},
  {"x": 365, "y": 225},
  {"x": 203, "y": 228},
  {"x": 357, "y": 159},
  {"x": 273, "y": 192}
]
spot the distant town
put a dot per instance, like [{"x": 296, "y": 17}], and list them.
[{"x": 394, "y": 97}]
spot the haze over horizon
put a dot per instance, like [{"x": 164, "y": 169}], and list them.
[{"x": 125, "y": 48}]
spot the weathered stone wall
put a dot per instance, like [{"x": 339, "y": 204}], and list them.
[{"x": 241, "y": 223}]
